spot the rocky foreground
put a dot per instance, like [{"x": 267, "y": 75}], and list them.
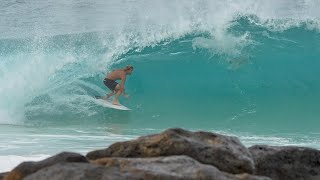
[{"x": 177, "y": 154}]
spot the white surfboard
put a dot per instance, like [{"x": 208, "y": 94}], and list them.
[{"x": 108, "y": 104}]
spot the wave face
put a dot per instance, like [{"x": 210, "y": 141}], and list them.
[{"x": 249, "y": 67}]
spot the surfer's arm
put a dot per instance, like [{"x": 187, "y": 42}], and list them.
[
  {"x": 122, "y": 87},
  {"x": 123, "y": 79},
  {"x": 125, "y": 94}
]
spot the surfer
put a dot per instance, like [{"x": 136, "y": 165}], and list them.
[{"x": 117, "y": 89}]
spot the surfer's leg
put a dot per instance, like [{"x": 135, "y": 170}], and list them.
[
  {"x": 109, "y": 95},
  {"x": 112, "y": 85},
  {"x": 118, "y": 93}
]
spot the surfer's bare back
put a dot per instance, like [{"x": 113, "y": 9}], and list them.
[{"x": 117, "y": 89}]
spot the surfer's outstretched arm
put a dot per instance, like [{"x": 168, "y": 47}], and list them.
[
  {"x": 122, "y": 87},
  {"x": 125, "y": 94}
]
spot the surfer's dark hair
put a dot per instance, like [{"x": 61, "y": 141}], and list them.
[{"x": 128, "y": 67}]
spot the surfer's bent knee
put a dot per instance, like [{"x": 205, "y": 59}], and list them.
[{"x": 117, "y": 88}]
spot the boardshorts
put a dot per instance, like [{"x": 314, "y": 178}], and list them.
[{"x": 111, "y": 84}]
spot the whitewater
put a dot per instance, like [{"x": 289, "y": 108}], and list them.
[{"x": 245, "y": 68}]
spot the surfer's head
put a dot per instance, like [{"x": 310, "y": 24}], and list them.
[{"x": 128, "y": 69}]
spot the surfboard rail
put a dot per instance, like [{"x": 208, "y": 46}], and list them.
[{"x": 108, "y": 104}]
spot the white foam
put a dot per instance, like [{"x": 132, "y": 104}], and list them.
[
  {"x": 26, "y": 76},
  {"x": 8, "y": 162},
  {"x": 250, "y": 139}
]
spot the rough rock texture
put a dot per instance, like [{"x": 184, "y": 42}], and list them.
[
  {"x": 77, "y": 171},
  {"x": 177, "y": 154},
  {"x": 26, "y": 168},
  {"x": 224, "y": 152},
  {"x": 2, "y": 175},
  {"x": 173, "y": 167},
  {"x": 286, "y": 163}
]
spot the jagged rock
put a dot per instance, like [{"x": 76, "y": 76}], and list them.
[
  {"x": 173, "y": 167},
  {"x": 77, "y": 171},
  {"x": 224, "y": 152},
  {"x": 26, "y": 168},
  {"x": 2, "y": 175},
  {"x": 286, "y": 163}
]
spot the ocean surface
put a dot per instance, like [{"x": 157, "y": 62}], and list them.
[{"x": 246, "y": 68}]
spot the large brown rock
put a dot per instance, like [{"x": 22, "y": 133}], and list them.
[
  {"x": 26, "y": 168},
  {"x": 173, "y": 167},
  {"x": 78, "y": 171},
  {"x": 286, "y": 163},
  {"x": 2, "y": 175},
  {"x": 224, "y": 152}
]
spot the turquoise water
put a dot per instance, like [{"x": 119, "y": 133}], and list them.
[{"x": 248, "y": 69}]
